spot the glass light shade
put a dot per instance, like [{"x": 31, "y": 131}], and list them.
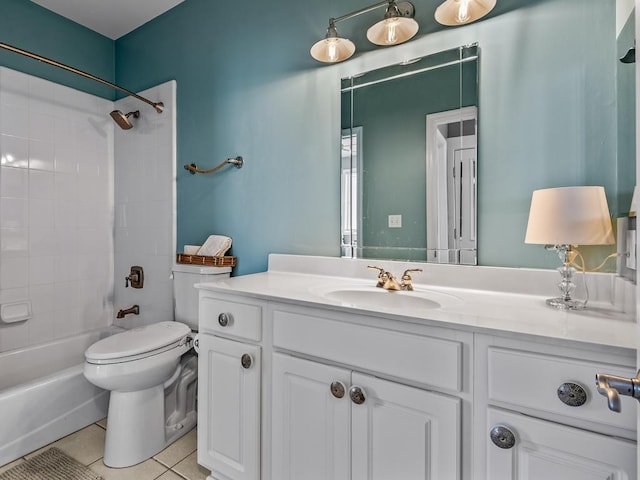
[
  {"x": 392, "y": 31},
  {"x": 569, "y": 216},
  {"x": 461, "y": 12},
  {"x": 332, "y": 49}
]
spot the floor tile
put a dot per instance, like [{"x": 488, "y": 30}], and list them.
[
  {"x": 179, "y": 450},
  {"x": 86, "y": 445},
  {"x": 148, "y": 470},
  {"x": 11, "y": 465},
  {"x": 169, "y": 475},
  {"x": 102, "y": 423},
  {"x": 190, "y": 469}
]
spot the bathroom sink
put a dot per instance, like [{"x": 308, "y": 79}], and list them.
[{"x": 379, "y": 298}]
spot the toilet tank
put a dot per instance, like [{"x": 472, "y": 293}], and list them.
[{"x": 185, "y": 295}]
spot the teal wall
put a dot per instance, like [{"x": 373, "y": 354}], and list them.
[
  {"x": 247, "y": 86},
  {"x": 28, "y": 26}
]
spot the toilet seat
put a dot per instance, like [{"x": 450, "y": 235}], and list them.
[{"x": 138, "y": 343}]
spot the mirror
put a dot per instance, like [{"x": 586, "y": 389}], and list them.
[{"x": 554, "y": 106}]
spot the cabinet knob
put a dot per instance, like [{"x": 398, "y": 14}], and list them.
[
  {"x": 502, "y": 437},
  {"x": 357, "y": 395},
  {"x": 224, "y": 319},
  {"x": 337, "y": 389},
  {"x": 246, "y": 361},
  {"x": 572, "y": 394}
]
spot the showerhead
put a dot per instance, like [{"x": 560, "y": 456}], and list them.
[{"x": 123, "y": 119}]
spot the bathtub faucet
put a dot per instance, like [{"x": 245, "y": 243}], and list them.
[{"x": 134, "y": 310}]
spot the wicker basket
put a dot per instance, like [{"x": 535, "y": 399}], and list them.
[{"x": 228, "y": 261}]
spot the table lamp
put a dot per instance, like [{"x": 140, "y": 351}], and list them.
[{"x": 562, "y": 218}]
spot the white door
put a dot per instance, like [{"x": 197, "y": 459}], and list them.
[
  {"x": 310, "y": 420},
  {"x": 229, "y": 426},
  {"x": 400, "y": 432},
  {"x": 461, "y": 192},
  {"x": 544, "y": 451}
]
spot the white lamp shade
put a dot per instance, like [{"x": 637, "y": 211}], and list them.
[
  {"x": 569, "y": 216},
  {"x": 392, "y": 31},
  {"x": 332, "y": 49},
  {"x": 461, "y": 12}
]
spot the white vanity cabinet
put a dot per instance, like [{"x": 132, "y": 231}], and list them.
[
  {"x": 332, "y": 421},
  {"x": 539, "y": 415},
  {"x": 229, "y": 388}
]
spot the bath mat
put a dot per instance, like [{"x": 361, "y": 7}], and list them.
[{"x": 52, "y": 464}]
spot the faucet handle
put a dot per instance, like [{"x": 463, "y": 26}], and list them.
[
  {"x": 407, "y": 281},
  {"x": 383, "y": 276}
]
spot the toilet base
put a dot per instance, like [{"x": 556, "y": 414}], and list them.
[
  {"x": 142, "y": 423},
  {"x": 135, "y": 427}
]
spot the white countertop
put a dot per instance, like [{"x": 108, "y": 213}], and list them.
[{"x": 479, "y": 310}]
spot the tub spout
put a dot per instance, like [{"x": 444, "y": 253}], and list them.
[{"x": 135, "y": 310}]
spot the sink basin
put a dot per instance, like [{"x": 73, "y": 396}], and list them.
[{"x": 378, "y": 298}]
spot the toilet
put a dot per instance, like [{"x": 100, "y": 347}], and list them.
[{"x": 152, "y": 374}]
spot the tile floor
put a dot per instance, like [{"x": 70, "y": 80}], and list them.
[{"x": 176, "y": 462}]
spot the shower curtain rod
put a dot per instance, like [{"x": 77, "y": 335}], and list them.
[{"x": 159, "y": 106}]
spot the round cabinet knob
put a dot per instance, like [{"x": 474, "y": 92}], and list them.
[
  {"x": 224, "y": 319},
  {"x": 337, "y": 389},
  {"x": 246, "y": 361},
  {"x": 502, "y": 437},
  {"x": 357, "y": 395},
  {"x": 572, "y": 394}
]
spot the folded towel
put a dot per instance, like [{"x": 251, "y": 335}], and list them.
[{"x": 215, "y": 246}]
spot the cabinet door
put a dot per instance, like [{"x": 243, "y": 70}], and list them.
[
  {"x": 400, "y": 432},
  {"x": 229, "y": 412},
  {"x": 545, "y": 450},
  {"x": 310, "y": 425}
]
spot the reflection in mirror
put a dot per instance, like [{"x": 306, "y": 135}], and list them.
[
  {"x": 408, "y": 160},
  {"x": 557, "y": 109}
]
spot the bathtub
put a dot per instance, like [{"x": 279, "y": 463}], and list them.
[{"x": 44, "y": 395}]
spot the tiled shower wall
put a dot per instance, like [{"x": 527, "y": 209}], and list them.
[
  {"x": 56, "y": 209},
  {"x": 145, "y": 205}
]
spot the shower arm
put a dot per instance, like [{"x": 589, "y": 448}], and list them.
[
  {"x": 159, "y": 106},
  {"x": 237, "y": 161}
]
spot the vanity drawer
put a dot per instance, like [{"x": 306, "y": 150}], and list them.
[
  {"x": 426, "y": 360},
  {"x": 236, "y": 319},
  {"x": 530, "y": 380}
]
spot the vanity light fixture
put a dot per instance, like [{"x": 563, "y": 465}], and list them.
[
  {"x": 562, "y": 218},
  {"x": 461, "y": 12},
  {"x": 397, "y": 26}
]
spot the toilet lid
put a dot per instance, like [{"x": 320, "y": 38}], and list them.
[{"x": 137, "y": 341}]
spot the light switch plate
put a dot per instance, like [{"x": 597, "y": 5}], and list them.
[{"x": 395, "y": 221}]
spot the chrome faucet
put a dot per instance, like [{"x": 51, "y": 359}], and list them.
[
  {"x": 135, "y": 310},
  {"x": 387, "y": 281}
]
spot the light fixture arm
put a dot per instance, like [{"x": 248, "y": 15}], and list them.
[{"x": 355, "y": 13}]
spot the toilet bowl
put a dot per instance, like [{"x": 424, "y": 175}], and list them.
[{"x": 152, "y": 375}]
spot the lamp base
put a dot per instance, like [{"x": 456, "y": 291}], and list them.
[{"x": 564, "y": 304}]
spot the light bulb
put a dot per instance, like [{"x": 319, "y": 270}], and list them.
[
  {"x": 463, "y": 11},
  {"x": 332, "y": 50},
  {"x": 391, "y": 36}
]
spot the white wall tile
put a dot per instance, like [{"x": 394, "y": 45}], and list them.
[
  {"x": 14, "y": 151},
  {"x": 14, "y": 212},
  {"x": 14, "y": 272},
  {"x": 41, "y": 155},
  {"x": 42, "y": 185},
  {"x": 14, "y": 242},
  {"x": 14, "y": 119},
  {"x": 14, "y": 182}
]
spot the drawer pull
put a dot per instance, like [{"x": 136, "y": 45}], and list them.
[
  {"x": 246, "y": 361},
  {"x": 502, "y": 437},
  {"x": 224, "y": 319},
  {"x": 337, "y": 389},
  {"x": 357, "y": 395},
  {"x": 572, "y": 394}
]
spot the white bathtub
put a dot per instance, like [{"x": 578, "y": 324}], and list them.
[{"x": 44, "y": 395}]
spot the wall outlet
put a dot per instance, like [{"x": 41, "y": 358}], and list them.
[{"x": 395, "y": 221}]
